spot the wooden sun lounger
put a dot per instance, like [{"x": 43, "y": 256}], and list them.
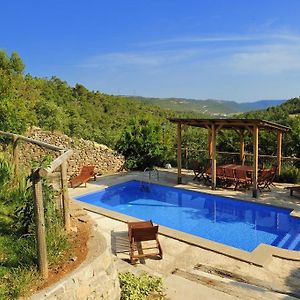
[
  {"x": 86, "y": 173},
  {"x": 139, "y": 232},
  {"x": 293, "y": 188}
]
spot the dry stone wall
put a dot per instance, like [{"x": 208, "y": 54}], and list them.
[{"x": 86, "y": 152}]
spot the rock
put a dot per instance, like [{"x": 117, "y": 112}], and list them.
[{"x": 86, "y": 152}]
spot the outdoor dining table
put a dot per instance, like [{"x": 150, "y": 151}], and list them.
[{"x": 248, "y": 169}]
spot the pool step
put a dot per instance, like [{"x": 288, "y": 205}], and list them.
[
  {"x": 289, "y": 241},
  {"x": 294, "y": 243}
]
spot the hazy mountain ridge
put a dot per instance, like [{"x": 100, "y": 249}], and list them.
[{"x": 210, "y": 106}]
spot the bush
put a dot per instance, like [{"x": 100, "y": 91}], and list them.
[
  {"x": 141, "y": 144},
  {"x": 140, "y": 287},
  {"x": 289, "y": 174}
]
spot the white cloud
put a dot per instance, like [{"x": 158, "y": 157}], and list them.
[
  {"x": 284, "y": 35},
  {"x": 266, "y": 54},
  {"x": 141, "y": 59},
  {"x": 268, "y": 59}
]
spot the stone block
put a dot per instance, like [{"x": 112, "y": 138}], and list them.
[{"x": 82, "y": 292}]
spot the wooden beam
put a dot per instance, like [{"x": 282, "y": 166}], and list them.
[
  {"x": 242, "y": 146},
  {"x": 209, "y": 144},
  {"x": 213, "y": 157},
  {"x": 56, "y": 163},
  {"x": 179, "y": 176},
  {"x": 32, "y": 141},
  {"x": 16, "y": 154},
  {"x": 279, "y": 151},
  {"x": 219, "y": 127},
  {"x": 65, "y": 195},
  {"x": 40, "y": 223},
  {"x": 255, "y": 160}
]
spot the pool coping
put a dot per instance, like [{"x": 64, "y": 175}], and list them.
[{"x": 260, "y": 256}]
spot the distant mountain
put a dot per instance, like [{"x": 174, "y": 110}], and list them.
[
  {"x": 261, "y": 104},
  {"x": 209, "y": 106}
]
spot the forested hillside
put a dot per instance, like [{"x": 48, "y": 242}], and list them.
[
  {"x": 54, "y": 105},
  {"x": 208, "y": 106}
]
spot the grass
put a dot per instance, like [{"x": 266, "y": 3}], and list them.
[
  {"x": 18, "y": 254},
  {"x": 18, "y": 259}
]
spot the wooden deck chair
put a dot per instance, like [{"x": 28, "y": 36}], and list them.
[
  {"x": 140, "y": 235},
  {"x": 197, "y": 169},
  {"x": 264, "y": 179},
  {"x": 85, "y": 174},
  {"x": 293, "y": 188}
]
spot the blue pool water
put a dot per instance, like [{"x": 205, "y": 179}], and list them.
[{"x": 236, "y": 223}]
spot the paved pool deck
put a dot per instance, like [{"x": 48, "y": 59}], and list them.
[{"x": 192, "y": 272}]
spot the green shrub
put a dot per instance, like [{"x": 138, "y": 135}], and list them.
[
  {"x": 290, "y": 174},
  {"x": 140, "y": 287},
  {"x": 141, "y": 144}
]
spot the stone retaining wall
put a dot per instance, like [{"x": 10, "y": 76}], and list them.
[
  {"x": 86, "y": 152},
  {"x": 96, "y": 278}
]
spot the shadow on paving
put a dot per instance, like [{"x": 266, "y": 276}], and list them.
[
  {"x": 119, "y": 242},
  {"x": 293, "y": 282}
]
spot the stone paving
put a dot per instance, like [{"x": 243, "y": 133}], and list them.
[{"x": 178, "y": 267}]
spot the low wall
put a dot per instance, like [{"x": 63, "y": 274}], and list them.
[
  {"x": 96, "y": 278},
  {"x": 85, "y": 152}
]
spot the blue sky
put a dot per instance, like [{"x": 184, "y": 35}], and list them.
[{"x": 223, "y": 49}]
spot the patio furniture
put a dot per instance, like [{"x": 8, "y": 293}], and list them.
[
  {"x": 143, "y": 239},
  {"x": 207, "y": 175},
  {"x": 197, "y": 169},
  {"x": 293, "y": 188},
  {"x": 85, "y": 174},
  {"x": 265, "y": 179},
  {"x": 242, "y": 178},
  {"x": 229, "y": 175},
  {"x": 221, "y": 178}
]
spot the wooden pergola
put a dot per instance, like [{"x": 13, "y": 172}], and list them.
[{"x": 240, "y": 125}]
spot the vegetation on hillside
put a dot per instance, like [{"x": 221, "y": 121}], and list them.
[{"x": 54, "y": 105}]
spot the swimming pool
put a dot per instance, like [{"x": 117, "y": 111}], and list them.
[{"x": 236, "y": 223}]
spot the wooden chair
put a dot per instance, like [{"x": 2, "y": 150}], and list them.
[
  {"x": 198, "y": 170},
  {"x": 207, "y": 175},
  {"x": 229, "y": 176},
  {"x": 220, "y": 175},
  {"x": 242, "y": 179},
  {"x": 140, "y": 234},
  {"x": 85, "y": 174},
  {"x": 265, "y": 179}
]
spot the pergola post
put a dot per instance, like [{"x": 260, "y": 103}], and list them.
[
  {"x": 242, "y": 147},
  {"x": 213, "y": 157},
  {"x": 179, "y": 176},
  {"x": 279, "y": 150},
  {"x": 209, "y": 144},
  {"x": 255, "y": 160}
]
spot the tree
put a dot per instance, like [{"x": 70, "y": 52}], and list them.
[
  {"x": 4, "y": 60},
  {"x": 141, "y": 144},
  {"x": 16, "y": 63}
]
